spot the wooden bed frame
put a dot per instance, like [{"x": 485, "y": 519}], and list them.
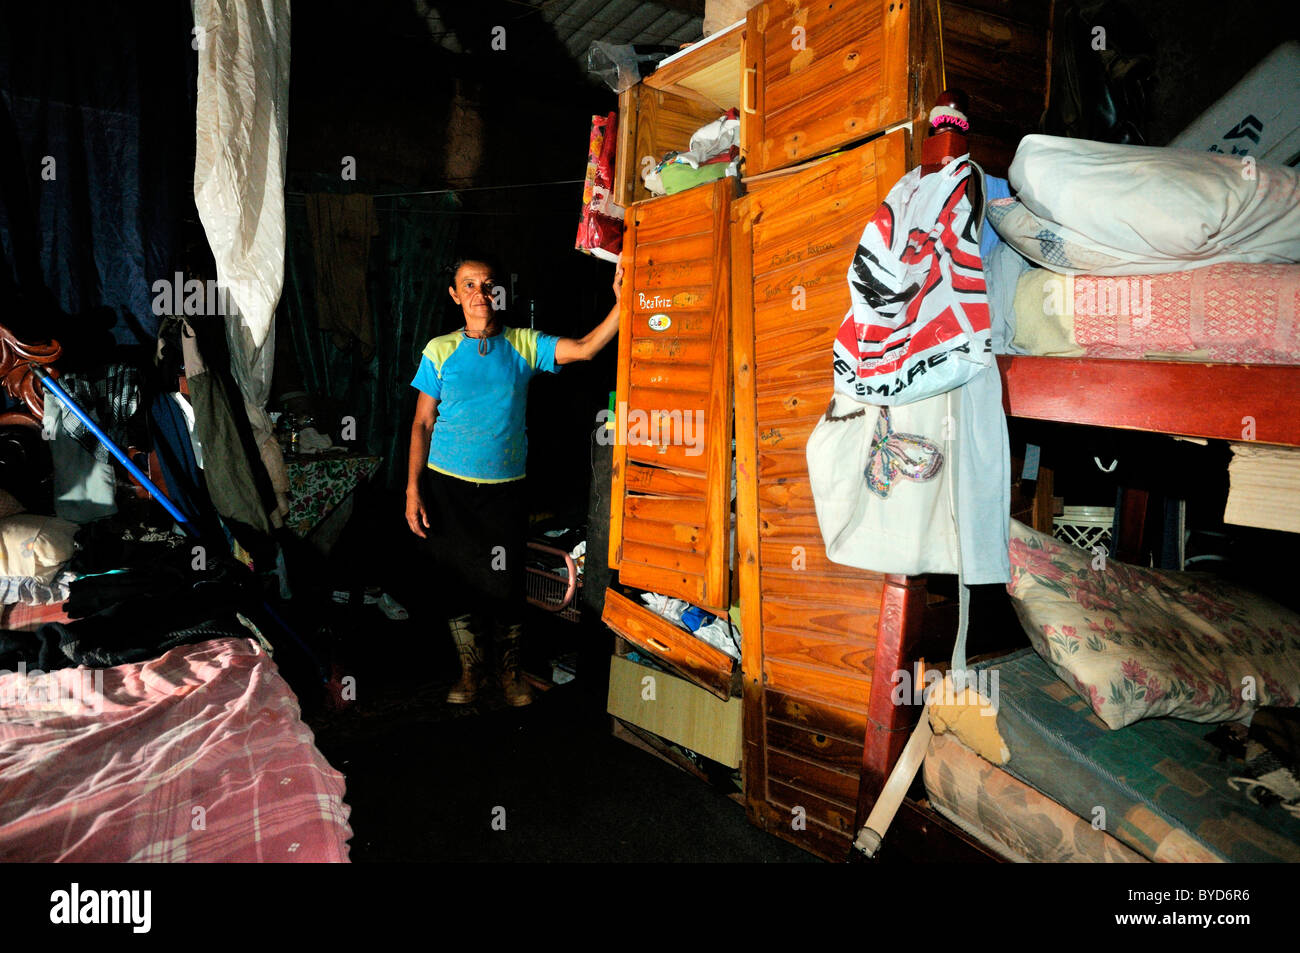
[
  {"x": 1239, "y": 402},
  {"x": 16, "y": 358},
  {"x": 24, "y": 456},
  {"x": 1213, "y": 401}
]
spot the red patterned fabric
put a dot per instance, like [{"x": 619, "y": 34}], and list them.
[
  {"x": 198, "y": 755},
  {"x": 600, "y": 229},
  {"x": 1234, "y": 313},
  {"x": 25, "y": 618}
]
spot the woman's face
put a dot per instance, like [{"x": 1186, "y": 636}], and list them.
[{"x": 472, "y": 290}]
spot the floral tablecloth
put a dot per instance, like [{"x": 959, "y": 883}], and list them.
[{"x": 318, "y": 486}]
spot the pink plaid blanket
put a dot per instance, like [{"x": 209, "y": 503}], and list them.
[{"x": 199, "y": 755}]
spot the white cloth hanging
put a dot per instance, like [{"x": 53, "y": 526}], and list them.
[{"x": 239, "y": 166}]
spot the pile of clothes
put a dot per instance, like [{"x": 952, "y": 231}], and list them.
[
  {"x": 706, "y": 627},
  {"x": 136, "y": 595},
  {"x": 714, "y": 152}
]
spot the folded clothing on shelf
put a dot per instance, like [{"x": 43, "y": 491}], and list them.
[{"x": 712, "y": 154}]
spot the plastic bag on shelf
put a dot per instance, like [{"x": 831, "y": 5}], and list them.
[
  {"x": 621, "y": 66},
  {"x": 671, "y": 609},
  {"x": 600, "y": 228},
  {"x": 722, "y": 635}
]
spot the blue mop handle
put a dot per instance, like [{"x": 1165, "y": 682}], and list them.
[{"x": 52, "y": 387}]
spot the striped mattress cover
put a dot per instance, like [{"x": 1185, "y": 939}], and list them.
[
  {"x": 1228, "y": 313},
  {"x": 197, "y": 755},
  {"x": 1007, "y": 815},
  {"x": 1158, "y": 786}
]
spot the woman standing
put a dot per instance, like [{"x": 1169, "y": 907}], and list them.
[{"x": 464, "y": 488}]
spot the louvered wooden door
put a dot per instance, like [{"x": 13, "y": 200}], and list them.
[
  {"x": 810, "y": 625},
  {"x": 671, "y": 503},
  {"x": 820, "y": 74}
]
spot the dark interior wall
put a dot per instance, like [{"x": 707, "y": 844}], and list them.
[
  {"x": 96, "y": 167},
  {"x": 1203, "y": 47},
  {"x": 1190, "y": 52},
  {"x": 507, "y": 129}
]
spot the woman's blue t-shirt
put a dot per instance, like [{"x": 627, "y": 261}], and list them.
[{"x": 482, "y": 398}]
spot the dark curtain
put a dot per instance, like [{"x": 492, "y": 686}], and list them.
[
  {"x": 408, "y": 302},
  {"x": 96, "y": 162}
]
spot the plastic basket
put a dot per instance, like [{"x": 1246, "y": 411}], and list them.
[
  {"x": 1085, "y": 526},
  {"x": 553, "y": 581}
]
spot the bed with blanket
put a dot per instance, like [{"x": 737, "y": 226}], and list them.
[
  {"x": 141, "y": 716},
  {"x": 1123, "y": 273},
  {"x": 197, "y": 755},
  {"x": 1152, "y": 719}
]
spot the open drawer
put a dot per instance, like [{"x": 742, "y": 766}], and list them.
[{"x": 676, "y": 648}]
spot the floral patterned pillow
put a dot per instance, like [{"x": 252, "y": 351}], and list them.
[{"x": 1142, "y": 643}]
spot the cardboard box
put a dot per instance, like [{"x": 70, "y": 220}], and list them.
[
  {"x": 1260, "y": 116},
  {"x": 720, "y": 14}
]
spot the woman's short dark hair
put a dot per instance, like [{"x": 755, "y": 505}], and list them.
[{"x": 472, "y": 256}]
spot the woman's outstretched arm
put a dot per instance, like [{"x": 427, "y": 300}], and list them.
[{"x": 568, "y": 350}]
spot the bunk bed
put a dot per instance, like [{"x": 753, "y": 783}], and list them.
[
  {"x": 987, "y": 809},
  {"x": 1172, "y": 397},
  {"x": 1165, "y": 783},
  {"x": 197, "y": 754}
]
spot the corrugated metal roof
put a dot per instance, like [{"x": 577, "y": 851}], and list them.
[{"x": 578, "y": 22}]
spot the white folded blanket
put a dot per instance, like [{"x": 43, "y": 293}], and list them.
[{"x": 1113, "y": 209}]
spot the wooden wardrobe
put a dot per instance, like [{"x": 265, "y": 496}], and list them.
[{"x": 834, "y": 97}]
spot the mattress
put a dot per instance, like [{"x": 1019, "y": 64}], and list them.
[
  {"x": 1228, "y": 313},
  {"x": 1158, "y": 786},
  {"x": 197, "y": 755},
  {"x": 1007, "y": 815}
]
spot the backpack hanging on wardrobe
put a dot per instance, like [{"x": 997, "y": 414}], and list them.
[
  {"x": 919, "y": 325},
  {"x": 882, "y": 484},
  {"x": 918, "y": 329}
]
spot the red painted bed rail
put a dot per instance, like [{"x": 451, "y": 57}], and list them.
[{"x": 1239, "y": 402}]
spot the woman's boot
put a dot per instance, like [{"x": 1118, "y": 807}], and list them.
[
  {"x": 516, "y": 690},
  {"x": 471, "y": 662}
]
